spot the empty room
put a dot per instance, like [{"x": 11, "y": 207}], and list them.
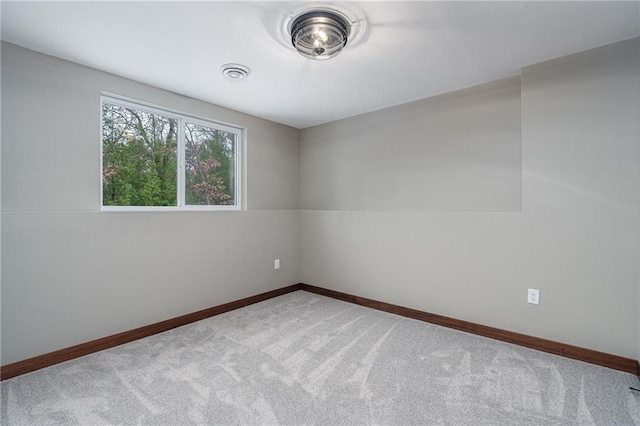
[{"x": 391, "y": 213}]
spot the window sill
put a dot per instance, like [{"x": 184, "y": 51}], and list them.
[{"x": 136, "y": 209}]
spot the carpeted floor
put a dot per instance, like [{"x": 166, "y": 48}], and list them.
[{"x": 307, "y": 359}]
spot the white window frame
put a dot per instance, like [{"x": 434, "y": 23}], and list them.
[{"x": 180, "y": 182}]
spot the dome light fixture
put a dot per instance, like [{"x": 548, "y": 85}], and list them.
[{"x": 319, "y": 34}]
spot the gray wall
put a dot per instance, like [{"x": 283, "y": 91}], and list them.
[
  {"x": 575, "y": 237},
  {"x": 71, "y": 273},
  {"x": 459, "y": 151},
  {"x": 454, "y": 205}
]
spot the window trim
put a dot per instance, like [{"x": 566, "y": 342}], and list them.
[{"x": 181, "y": 117}]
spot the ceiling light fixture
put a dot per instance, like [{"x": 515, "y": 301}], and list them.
[
  {"x": 235, "y": 72},
  {"x": 319, "y": 34}
]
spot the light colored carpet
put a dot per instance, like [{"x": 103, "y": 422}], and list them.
[{"x": 307, "y": 359}]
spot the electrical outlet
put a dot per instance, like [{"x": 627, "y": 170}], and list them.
[
  {"x": 276, "y": 264},
  {"x": 533, "y": 296}
]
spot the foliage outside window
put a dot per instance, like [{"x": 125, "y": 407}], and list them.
[{"x": 155, "y": 159}]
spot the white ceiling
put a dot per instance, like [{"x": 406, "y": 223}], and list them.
[{"x": 405, "y": 50}]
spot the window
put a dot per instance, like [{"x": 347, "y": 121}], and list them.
[{"x": 154, "y": 159}]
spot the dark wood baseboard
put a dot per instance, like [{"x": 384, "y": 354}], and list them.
[
  {"x": 587, "y": 355},
  {"x": 62, "y": 355}
]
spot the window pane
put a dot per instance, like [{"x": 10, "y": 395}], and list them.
[
  {"x": 209, "y": 166},
  {"x": 139, "y": 158}
]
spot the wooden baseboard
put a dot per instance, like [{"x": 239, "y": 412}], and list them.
[
  {"x": 62, "y": 355},
  {"x": 587, "y": 355}
]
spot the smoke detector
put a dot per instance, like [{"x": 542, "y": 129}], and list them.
[{"x": 235, "y": 72}]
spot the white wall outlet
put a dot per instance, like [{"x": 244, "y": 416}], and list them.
[
  {"x": 533, "y": 296},
  {"x": 276, "y": 264}
]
